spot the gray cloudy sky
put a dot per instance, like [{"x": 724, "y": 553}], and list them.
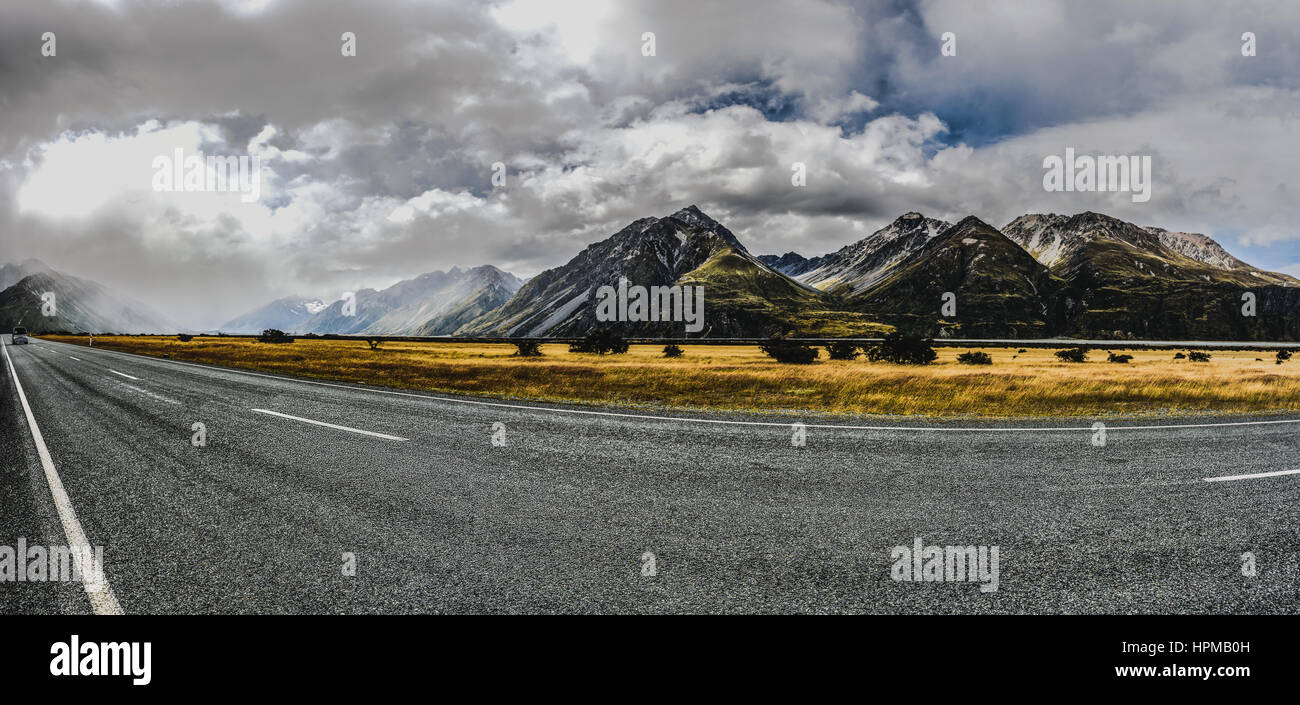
[{"x": 378, "y": 167}]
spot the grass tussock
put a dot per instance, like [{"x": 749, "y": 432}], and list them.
[{"x": 1032, "y": 383}]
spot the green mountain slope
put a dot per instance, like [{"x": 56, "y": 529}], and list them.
[{"x": 1000, "y": 290}]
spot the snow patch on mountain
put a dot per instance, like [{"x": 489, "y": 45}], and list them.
[{"x": 856, "y": 267}]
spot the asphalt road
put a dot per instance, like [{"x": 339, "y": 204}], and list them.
[{"x": 560, "y": 518}]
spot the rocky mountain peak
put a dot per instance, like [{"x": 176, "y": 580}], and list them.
[
  {"x": 692, "y": 215},
  {"x": 971, "y": 222},
  {"x": 1201, "y": 248}
]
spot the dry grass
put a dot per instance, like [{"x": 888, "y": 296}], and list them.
[{"x": 1029, "y": 384}]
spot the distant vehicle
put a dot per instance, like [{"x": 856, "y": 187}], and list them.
[{"x": 20, "y": 336}]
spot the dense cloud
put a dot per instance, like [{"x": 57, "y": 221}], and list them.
[{"x": 380, "y": 166}]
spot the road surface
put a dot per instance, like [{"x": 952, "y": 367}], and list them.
[{"x": 295, "y": 474}]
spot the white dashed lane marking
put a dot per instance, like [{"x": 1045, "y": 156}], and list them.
[
  {"x": 1227, "y": 478},
  {"x": 349, "y": 429}
]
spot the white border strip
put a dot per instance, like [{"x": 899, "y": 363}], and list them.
[
  {"x": 686, "y": 419},
  {"x": 330, "y": 425},
  {"x": 102, "y": 599}
]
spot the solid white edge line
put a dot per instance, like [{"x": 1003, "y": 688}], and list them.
[
  {"x": 102, "y": 599},
  {"x": 123, "y": 374},
  {"x": 330, "y": 425},
  {"x": 1227, "y": 478},
  {"x": 615, "y": 414}
]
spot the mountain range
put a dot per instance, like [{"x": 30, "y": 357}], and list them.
[
  {"x": 436, "y": 303},
  {"x": 744, "y": 295},
  {"x": 1041, "y": 275},
  {"x": 31, "y": 290},
  {"x": 288, "y": 314}
]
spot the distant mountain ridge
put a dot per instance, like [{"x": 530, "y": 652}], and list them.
[
  {"x": 78, "y": 305},
  {"x": 436, "y": 303},
  {"x": 688, "y": 248},
  {"x": 12, "y": 273},
  {"x": 1072, "y": 242},
  {"x": 1085, "y": 275},
  {"x": 1203, "y": 248},
  {"x": 998, "y": 290},
  {"x": 791, "y": 264},
  {"x": 1150, "y": 283},
  {"x": 287, "y": 314},
  {"x": 856, "y": 267}
]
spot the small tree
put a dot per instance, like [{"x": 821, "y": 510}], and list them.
[
  {"x": 789, "y": 351},
  {"x": 1283, "y": 356},
  {"x": 1198, "y": 356},
  {"x": 672, "y": 351},
  {"x": 185, "y": 338},
  {"x": 1121, "y": 359},
  {"x": 1072, "y": 355},
  {"x": 374, "y": 343},
  {"x": 975, "y": 357},
  {"x": 273, "y": 335},
  {"x": 843, "y": 350},
  {"x": 903, "y": 350},
  {"x": 601, "y": 341},
  {"x": 527, "y": 348}
]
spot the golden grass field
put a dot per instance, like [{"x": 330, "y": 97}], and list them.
[{"x": 734, "y": 377}]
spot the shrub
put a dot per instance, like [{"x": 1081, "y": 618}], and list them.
[
  {"x": 1121, "y": 359},
  {"x": 789, "y": 351},
  {"x": 1072, "y": 355},
  {"x": 1283, "y": 356},
  {"x": 273, "y": 335},
  {"x": 601, "y": 341},
  {"x": 1179, "y": 356},
  {"x": 903, "y": 350},
  {"x": 184, "y": 338},
  {"x": 527, "y": 348},
  {"x": 672, "y": 351},
  {"x": 975, "y": 358},
  {"x": 1198, "y": 356},
  {"x": 843, "y": 350},
  {"x": 374, "y": 343}
]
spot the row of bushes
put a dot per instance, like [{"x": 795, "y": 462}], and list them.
[
  {"x": 915, "y": 350},
  {"x": 896, "y": 347}
]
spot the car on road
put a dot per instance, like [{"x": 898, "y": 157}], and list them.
[{"x": 20, "y": 336}]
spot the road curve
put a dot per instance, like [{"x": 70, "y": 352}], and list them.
[{"x": 562, "y": 517}]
